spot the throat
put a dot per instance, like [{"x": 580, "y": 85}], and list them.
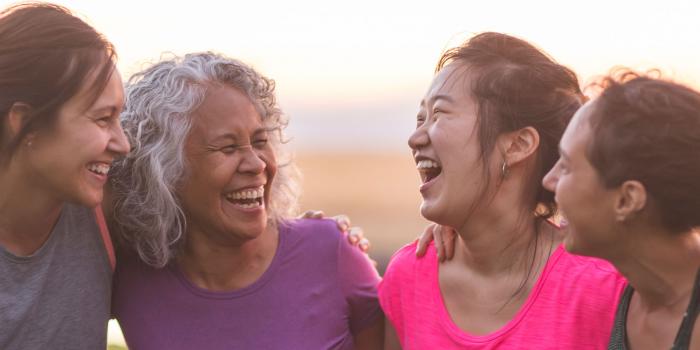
[{"x": 218, "y": 268}]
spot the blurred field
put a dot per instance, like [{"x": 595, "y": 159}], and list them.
[{"x": 378, "y": 191}]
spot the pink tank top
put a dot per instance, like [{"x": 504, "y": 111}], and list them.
[{"x": 571, "y": 306}]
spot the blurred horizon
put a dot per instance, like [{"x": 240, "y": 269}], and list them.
[{"x": 351, "y": 75}]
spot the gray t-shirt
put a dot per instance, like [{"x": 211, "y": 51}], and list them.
[{"x": 59, "y": 297}]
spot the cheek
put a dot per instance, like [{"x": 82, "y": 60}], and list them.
[{"x": 270, "y": 160}]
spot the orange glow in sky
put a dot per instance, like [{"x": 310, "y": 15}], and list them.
[{"x": 350, "y": 64}]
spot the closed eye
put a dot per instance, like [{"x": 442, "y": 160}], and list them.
[
  {"x": 104, "y": 121},
  {"x": 563, "y": 167},
  {"x": 420, "y": 119},
  {"x": 229, "y": 148},
  {"x": 260, "y": 142}
]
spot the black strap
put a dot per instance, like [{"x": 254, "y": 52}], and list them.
[
  {"x": 618, "y": 338},
  {"x": 682, "y": 341}
]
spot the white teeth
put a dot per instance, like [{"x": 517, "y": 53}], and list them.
[
  {"x": 248, "y": 205},
  {"x": 100, "y": 168},
  {"x": 427, "y": 164},
  {"x": 247, "y": 194}
]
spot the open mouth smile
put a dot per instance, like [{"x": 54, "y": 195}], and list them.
[
  {"x": 429, "y": 170},
  {"x": 249, "y": 198}
]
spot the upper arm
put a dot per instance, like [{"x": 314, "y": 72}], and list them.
[
  {"x": 395, "y": 288},
  {"x": 371, "y": 337},
  {"x": 391, "y": 340},
  {"x": 358, "y": 280}
]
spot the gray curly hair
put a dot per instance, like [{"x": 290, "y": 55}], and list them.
[{"x": 157, "y": 119}]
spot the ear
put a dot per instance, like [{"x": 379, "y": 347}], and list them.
[
  {"x": 17, "y": 116},
  {"x": 631, "y": 199},
  {"x": 519, "y": 145}
]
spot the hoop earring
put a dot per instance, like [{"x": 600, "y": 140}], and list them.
[{"x": 504, "y": 170}]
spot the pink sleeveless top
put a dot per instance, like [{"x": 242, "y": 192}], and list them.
[{"x": 571, "y": 306}]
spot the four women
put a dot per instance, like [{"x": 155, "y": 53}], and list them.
[{"x": 210, "y": 257}]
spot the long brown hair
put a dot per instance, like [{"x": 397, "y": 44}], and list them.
[
  {"x": 516, "y": 85},
  {"x": 46, "y": 54}
]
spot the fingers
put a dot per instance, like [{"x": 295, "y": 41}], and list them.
[
  {"x": 364, "y": 244},
  {"x": 424, "y": 240},
  {"x": 343, "y": 222},
  {"x": 312, "y": 214},
  {"x": 449, "y": 241},
  {"x": 439, "y": 242},
  {"x": 355, "y": 235}
]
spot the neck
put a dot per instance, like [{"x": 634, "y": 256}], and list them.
[
  {"x": 502, "y": 235},
  {"x": 215, "y": 266},
  {"x": 27, "y": 212},
  {"x": 660, "y": 266},
  {"x": 505, "y": 243}
]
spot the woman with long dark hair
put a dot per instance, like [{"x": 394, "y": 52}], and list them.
[{"x": 487, "y": 132}]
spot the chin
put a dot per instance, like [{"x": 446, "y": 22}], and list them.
[
  {"x": 431, "y": 213},
  {"x": 574, "y": 246},
  {"x": 90, "y": 199}
]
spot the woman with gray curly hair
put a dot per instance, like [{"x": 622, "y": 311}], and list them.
[{"x": 214, "y": 262}]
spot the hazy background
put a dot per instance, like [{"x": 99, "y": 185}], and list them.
[{"x": 350, "y": 74}]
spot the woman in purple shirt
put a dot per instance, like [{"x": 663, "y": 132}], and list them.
[{"x": 203, "y": 202}]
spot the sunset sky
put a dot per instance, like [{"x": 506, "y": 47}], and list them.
[{"x": 350, "y": 74}]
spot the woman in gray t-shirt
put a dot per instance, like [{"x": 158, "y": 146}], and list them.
[{"x": 60, "y": 99}]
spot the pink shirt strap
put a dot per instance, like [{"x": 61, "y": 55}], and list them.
[{"x": 106, "y": 239}]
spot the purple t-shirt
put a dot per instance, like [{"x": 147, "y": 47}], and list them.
[{"x": 317, "y": 292}]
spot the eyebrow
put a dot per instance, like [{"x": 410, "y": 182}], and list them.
[
  {"x": 231, "y": 136},
  {"x": 435, "y": 98},
  {"x": 223, "y": 137},
  {"x": 106, "y": 108},
  {"x": 562, "y": 153}
]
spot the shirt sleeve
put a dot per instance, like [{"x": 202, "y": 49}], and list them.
[
  {"x": 393, "y": 284},
  {"x": 358, "y": 282}
]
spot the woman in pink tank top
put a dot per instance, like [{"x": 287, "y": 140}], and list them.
[{"x": 487, "y": 132}]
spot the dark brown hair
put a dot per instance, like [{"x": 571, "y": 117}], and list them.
[
  {"x": 516, "y": 85},
  {"x": 46, "y": 54},
  {"x": 648, "y": 130}
]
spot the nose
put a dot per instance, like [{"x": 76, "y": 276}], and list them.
[
  {"x": 419, "y": 138},
  {"x": 550, "y": 180},
  {"x": 119, "y": 143},
  {"x": 251, "y": 161}
]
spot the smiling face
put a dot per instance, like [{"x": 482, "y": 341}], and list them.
[
  {"x": 71, "y": 159},
  {"x": 446, "y": 148},
  {"x": 230, "y": 168},
  {"x": 587, "y": 206}
]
